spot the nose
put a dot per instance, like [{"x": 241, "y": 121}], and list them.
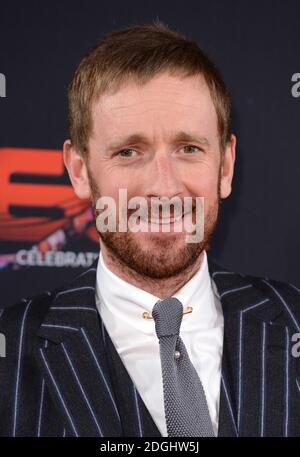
[{"x": 163, "y": 177}]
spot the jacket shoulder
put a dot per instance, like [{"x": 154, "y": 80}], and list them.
[
  {"x": 286, "y": 295},
  {"x": 32, "y": 308},
  {"x": 282, "y": 289},
  {"x": 282, "y": 297}
]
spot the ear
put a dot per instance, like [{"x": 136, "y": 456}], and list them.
[
  {"x": 227, "y": 167},
  {"x": 77, "y": 170}
]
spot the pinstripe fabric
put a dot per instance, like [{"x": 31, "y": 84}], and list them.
[{"x": 62, "y": 375}]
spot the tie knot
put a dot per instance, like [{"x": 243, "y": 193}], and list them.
[{"x": 167, "y": 315}]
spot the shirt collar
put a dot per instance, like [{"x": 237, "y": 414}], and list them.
[{"x": 127, "y": 302}]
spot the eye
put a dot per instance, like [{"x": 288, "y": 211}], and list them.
[
  {"x": 125, "y": 152},
  {"x": 190, "y": 148}
]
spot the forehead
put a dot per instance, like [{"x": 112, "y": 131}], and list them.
[{"x": 166, "y": 102}]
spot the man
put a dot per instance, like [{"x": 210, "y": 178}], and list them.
[{"x": 155, "y": 339}]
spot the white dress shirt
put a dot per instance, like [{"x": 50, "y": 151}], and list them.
[{"x": 121, "y": 306}]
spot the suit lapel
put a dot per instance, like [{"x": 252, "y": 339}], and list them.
[
  {"x": 255, "y": 357},
  {"x": 85, "y": 375},
  {"x": 74, "y": 362}
]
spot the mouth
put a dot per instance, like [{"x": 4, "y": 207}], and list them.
[
  {"x": 166, "y": 226},
  {"x": 164, "y": 221}
]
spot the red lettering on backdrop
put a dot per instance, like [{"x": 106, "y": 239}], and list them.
[{"x": 48, "y": 163}]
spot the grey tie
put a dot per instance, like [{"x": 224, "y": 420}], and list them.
[{"x": 185, "y": 404}]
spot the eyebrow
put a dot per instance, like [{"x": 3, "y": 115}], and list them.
[{"x": 141, "y": 138}]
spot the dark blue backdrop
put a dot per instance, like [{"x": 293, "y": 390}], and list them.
[{"x": 255, "y": 45}]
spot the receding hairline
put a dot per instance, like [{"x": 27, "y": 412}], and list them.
[{"x": 132, "y": 79}]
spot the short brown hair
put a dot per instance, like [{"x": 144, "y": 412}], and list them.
[{"x": 140, "y": 52}]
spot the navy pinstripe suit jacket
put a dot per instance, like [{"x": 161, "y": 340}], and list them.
[{"x": 62, "y": 375}]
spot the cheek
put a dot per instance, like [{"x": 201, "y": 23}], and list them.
[
  {"x": 202, "y": 183},
  {"x": 111, "y": 183},
  {"x": 107, "y": 178}
]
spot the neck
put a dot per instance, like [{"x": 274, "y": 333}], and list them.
[{"x": 161, "y": 288}]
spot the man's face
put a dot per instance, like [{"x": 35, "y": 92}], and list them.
[{"x": 159, "y": 139}]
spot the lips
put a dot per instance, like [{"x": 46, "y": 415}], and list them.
[{"x": 165, "y": 221}]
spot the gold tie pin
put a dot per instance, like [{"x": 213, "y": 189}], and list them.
[{"x": 147, "y": 315}]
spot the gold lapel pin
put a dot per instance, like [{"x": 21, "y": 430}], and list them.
[{"x": 147, "y": 315}]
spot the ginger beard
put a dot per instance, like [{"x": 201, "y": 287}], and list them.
[{"x": 161, "y": 260}]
